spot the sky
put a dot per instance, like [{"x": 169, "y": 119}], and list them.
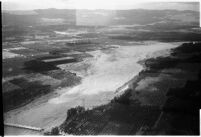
[{"x": 99, "y": 4}]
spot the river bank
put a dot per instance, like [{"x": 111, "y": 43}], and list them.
[{"x": 163, "y": 96}]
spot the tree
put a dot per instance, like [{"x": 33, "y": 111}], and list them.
[{"x": 55, "y": 131}]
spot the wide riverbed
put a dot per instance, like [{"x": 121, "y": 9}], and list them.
[{"x": 101, "y": 75}]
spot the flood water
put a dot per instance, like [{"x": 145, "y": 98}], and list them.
[{"x": 105, "y": 72}]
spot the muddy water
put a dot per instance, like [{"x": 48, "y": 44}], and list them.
[{"x": 106, "y": 71}]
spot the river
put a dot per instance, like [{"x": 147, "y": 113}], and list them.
[{"x": 105, "y": 72}]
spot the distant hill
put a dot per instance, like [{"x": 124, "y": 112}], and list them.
[{"x": 96, "y": 17}]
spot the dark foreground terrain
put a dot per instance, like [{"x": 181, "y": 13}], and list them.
[{"x": 163, "y": 100}]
